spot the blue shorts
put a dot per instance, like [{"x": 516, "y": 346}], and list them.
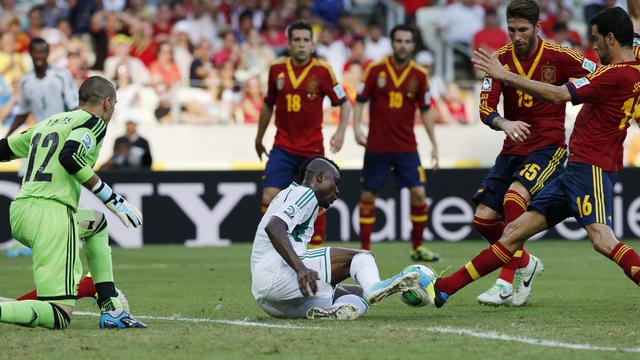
[
  {"x": 406, "y": 168},
  {"x": 282, "y": 168},
  {"x": 533, "y": 171},
  {"x": 582, "y": 191}
]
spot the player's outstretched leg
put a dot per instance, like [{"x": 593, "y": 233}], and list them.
[
  {"x": 93, "y": 227},
  {"x": 346, "y": 307},
  {"x": 34, "y": 313}
]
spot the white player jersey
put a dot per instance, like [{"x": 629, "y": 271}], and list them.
[
  {"x": 56, "y": 92},
  {"x": 297, "y": 206}
]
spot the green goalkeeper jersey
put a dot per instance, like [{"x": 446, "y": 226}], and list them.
[{"x": 61, "y": 152}]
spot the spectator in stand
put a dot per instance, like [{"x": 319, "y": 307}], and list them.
[
  {"x": 54, "y": 11},
  {"x": 35, "y": 22},
  {"x": 332, "y": 50},
  {"x": 9, "y": 96},
  {"x": 9, "y": 12},
  {"x": 143, "y": 44},
  {"x": 78, "y": 60},
  {"x": 230, "y": 92},
  {"x": 104, "y": 27},
  {"x": 564, "y": 16},
  {"x": 453, "y": 109},
  {"x": 252, "y": 101},
  {"x": 130, "y": 151},
  {"x": 410, "y": 8},
  {"x": 64, "y": 26},
  {"x": 376, "y": 45},
  {"x": 560, "y": 35},
  {"x": 163, "y": 110},
  {"x": 163, "y": 22},
  {"x": 121, "y": 45},
  {"x": 245, "y": 25},
  {"x": 230, "y": 50},
  {"x": 164, "y": 69},
  {"x": 12, "y": 63},
  {"x": 201, "y": 67},
  {"x": 492, "y": 36},
  {"x": 465, "y": 12},
  {"x": 356, "y": 54},
  {"x": 328, "y": 10},
  {"x": 182, "y": 52},
  {"x": 201, "y": 25},
  {"x": 21, "y": 38},
  {"x": 273, "y": 32},
  {"x": 256, "y": 57}
]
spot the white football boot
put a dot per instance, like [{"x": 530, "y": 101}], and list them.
[
  {"x": 336, "y": 312},
  {"x": 499, "y": 294},
  {"x": 523, "y": 281}
]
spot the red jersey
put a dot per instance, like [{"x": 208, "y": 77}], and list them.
[
  {"x": 551, "y": 64},
  {"x": 394, "y": 94},
  {"x": 611, "y": 97},
  {"x": 298, "y": 92}
]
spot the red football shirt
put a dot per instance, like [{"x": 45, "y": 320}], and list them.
[
  {"x": 550, "y": 63},
  {"x": 611, "y": 98},
  {"x": 394, "y": 94},
  {"x": 297, "y": 93}
]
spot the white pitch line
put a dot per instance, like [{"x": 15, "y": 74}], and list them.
[
  {"x": 206, "y": 320},
  {"x": 526, "y": 340},
  {"x": 435, "y": 329}
]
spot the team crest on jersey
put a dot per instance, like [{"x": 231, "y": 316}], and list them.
[
  {"x": 382, "y": 79},
  {"x": 290, "y": 211},
  {"x": 487, "y": 83},
  {"x": 412, "y": 88},
  {"x": 548, "y": 74},
  {"x": 313, "y": 87},
  {"x": 280, "y": 82}
]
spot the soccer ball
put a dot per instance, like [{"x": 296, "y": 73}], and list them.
[{"x": 418, "y": 297}]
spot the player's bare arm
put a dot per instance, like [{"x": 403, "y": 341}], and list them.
[
  {"x": 338, "y": 138},
  {"x": 485, "y": 61},
  {"x": 17, "y": 122},
  {"x": 307, "y": 279},
  {"x": 516, "y": 130},
  {"x": 265, "y": 117},
  {"x": 428, "y": 119},
  {"x": 361, "y": 138}
]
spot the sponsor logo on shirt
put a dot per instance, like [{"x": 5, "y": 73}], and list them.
[
  {"x": 487, "y": 83},
  {"x": 578, "y": 83},
  {"x": 290, "y": 211}
]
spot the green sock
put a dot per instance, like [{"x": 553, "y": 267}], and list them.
[
  {"x": 34, "y": 313},
  {"x": 98, "y": 252}
]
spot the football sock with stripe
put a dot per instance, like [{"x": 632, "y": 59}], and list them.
[
  {"x": 364, "y": 270},
  {"x": 85, "y": 289},
  {"x": 628, "y": 260},
  {"x": 319, "y": 229},
  {"x": 34, "y": 313},
  {"x": 489, "y": 229},
  {"x": 513, "y": 205},
  {"x": 98, "y": 252},
  {"x": 484, "y": 263},
  {"x": 419, "y": 221},
  {"x": 367, "y": 219}
]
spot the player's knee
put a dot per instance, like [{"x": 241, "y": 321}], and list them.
[
  {"x": 418, "y": 195},
  {"x": 368, "y": 196},
  {"x": 509, "y": 236},
  {"x": 486, "y": 213},
  {"x": 602, "y": 240}
]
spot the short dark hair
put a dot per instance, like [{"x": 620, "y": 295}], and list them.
[
  {"x": 402, "y": 27},
  {"x": 95, "y": 89},
  {"x": 299, "y": 25},
  {"x": 38, "y": 41},
  {"x": 303, "y": 169},
  {"x": 524, "y": 9},
  {"x": 615, "y": 21}
]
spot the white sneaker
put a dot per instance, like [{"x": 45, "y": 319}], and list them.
[
  {"x": 337, "y": 312},
  {"x": 123, "y": 300},
  {"x": 396, "y": 284},
  {"x": 499, "y": 294},
  {"x": 523, "y": 281}
]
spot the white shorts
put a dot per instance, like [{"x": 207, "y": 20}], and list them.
[{"x": 277, "y": 292}]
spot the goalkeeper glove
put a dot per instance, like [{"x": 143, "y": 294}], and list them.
[{"x": 128, "y": 214}]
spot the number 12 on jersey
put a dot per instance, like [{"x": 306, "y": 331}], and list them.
[{"x": 50, "y": 141}]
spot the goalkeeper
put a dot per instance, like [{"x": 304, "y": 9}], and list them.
[{"x": 61, "y": 151}]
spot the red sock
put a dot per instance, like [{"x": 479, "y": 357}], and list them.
[
  {"x": 86, "y": 288},
  {"x": 490, "y": 229},
  {"x": 419, "y": 219},
  {"x": 513, "y": 205},
  {"x": 367, "y": 219},
  {"x": 484, "y": 263},
  {"x": 319, "y": 229},
  {"x": 628, "y": 260}
]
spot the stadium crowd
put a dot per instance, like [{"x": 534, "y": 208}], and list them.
[{"x": 206, "y": 62}]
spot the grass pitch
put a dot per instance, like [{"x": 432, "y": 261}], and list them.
[{"x": 198, "y": 304}]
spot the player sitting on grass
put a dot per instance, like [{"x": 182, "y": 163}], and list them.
[{"x": 289, "y": 281}]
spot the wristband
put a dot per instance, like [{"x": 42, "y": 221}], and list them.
[{"x": 102, "y": 191}]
